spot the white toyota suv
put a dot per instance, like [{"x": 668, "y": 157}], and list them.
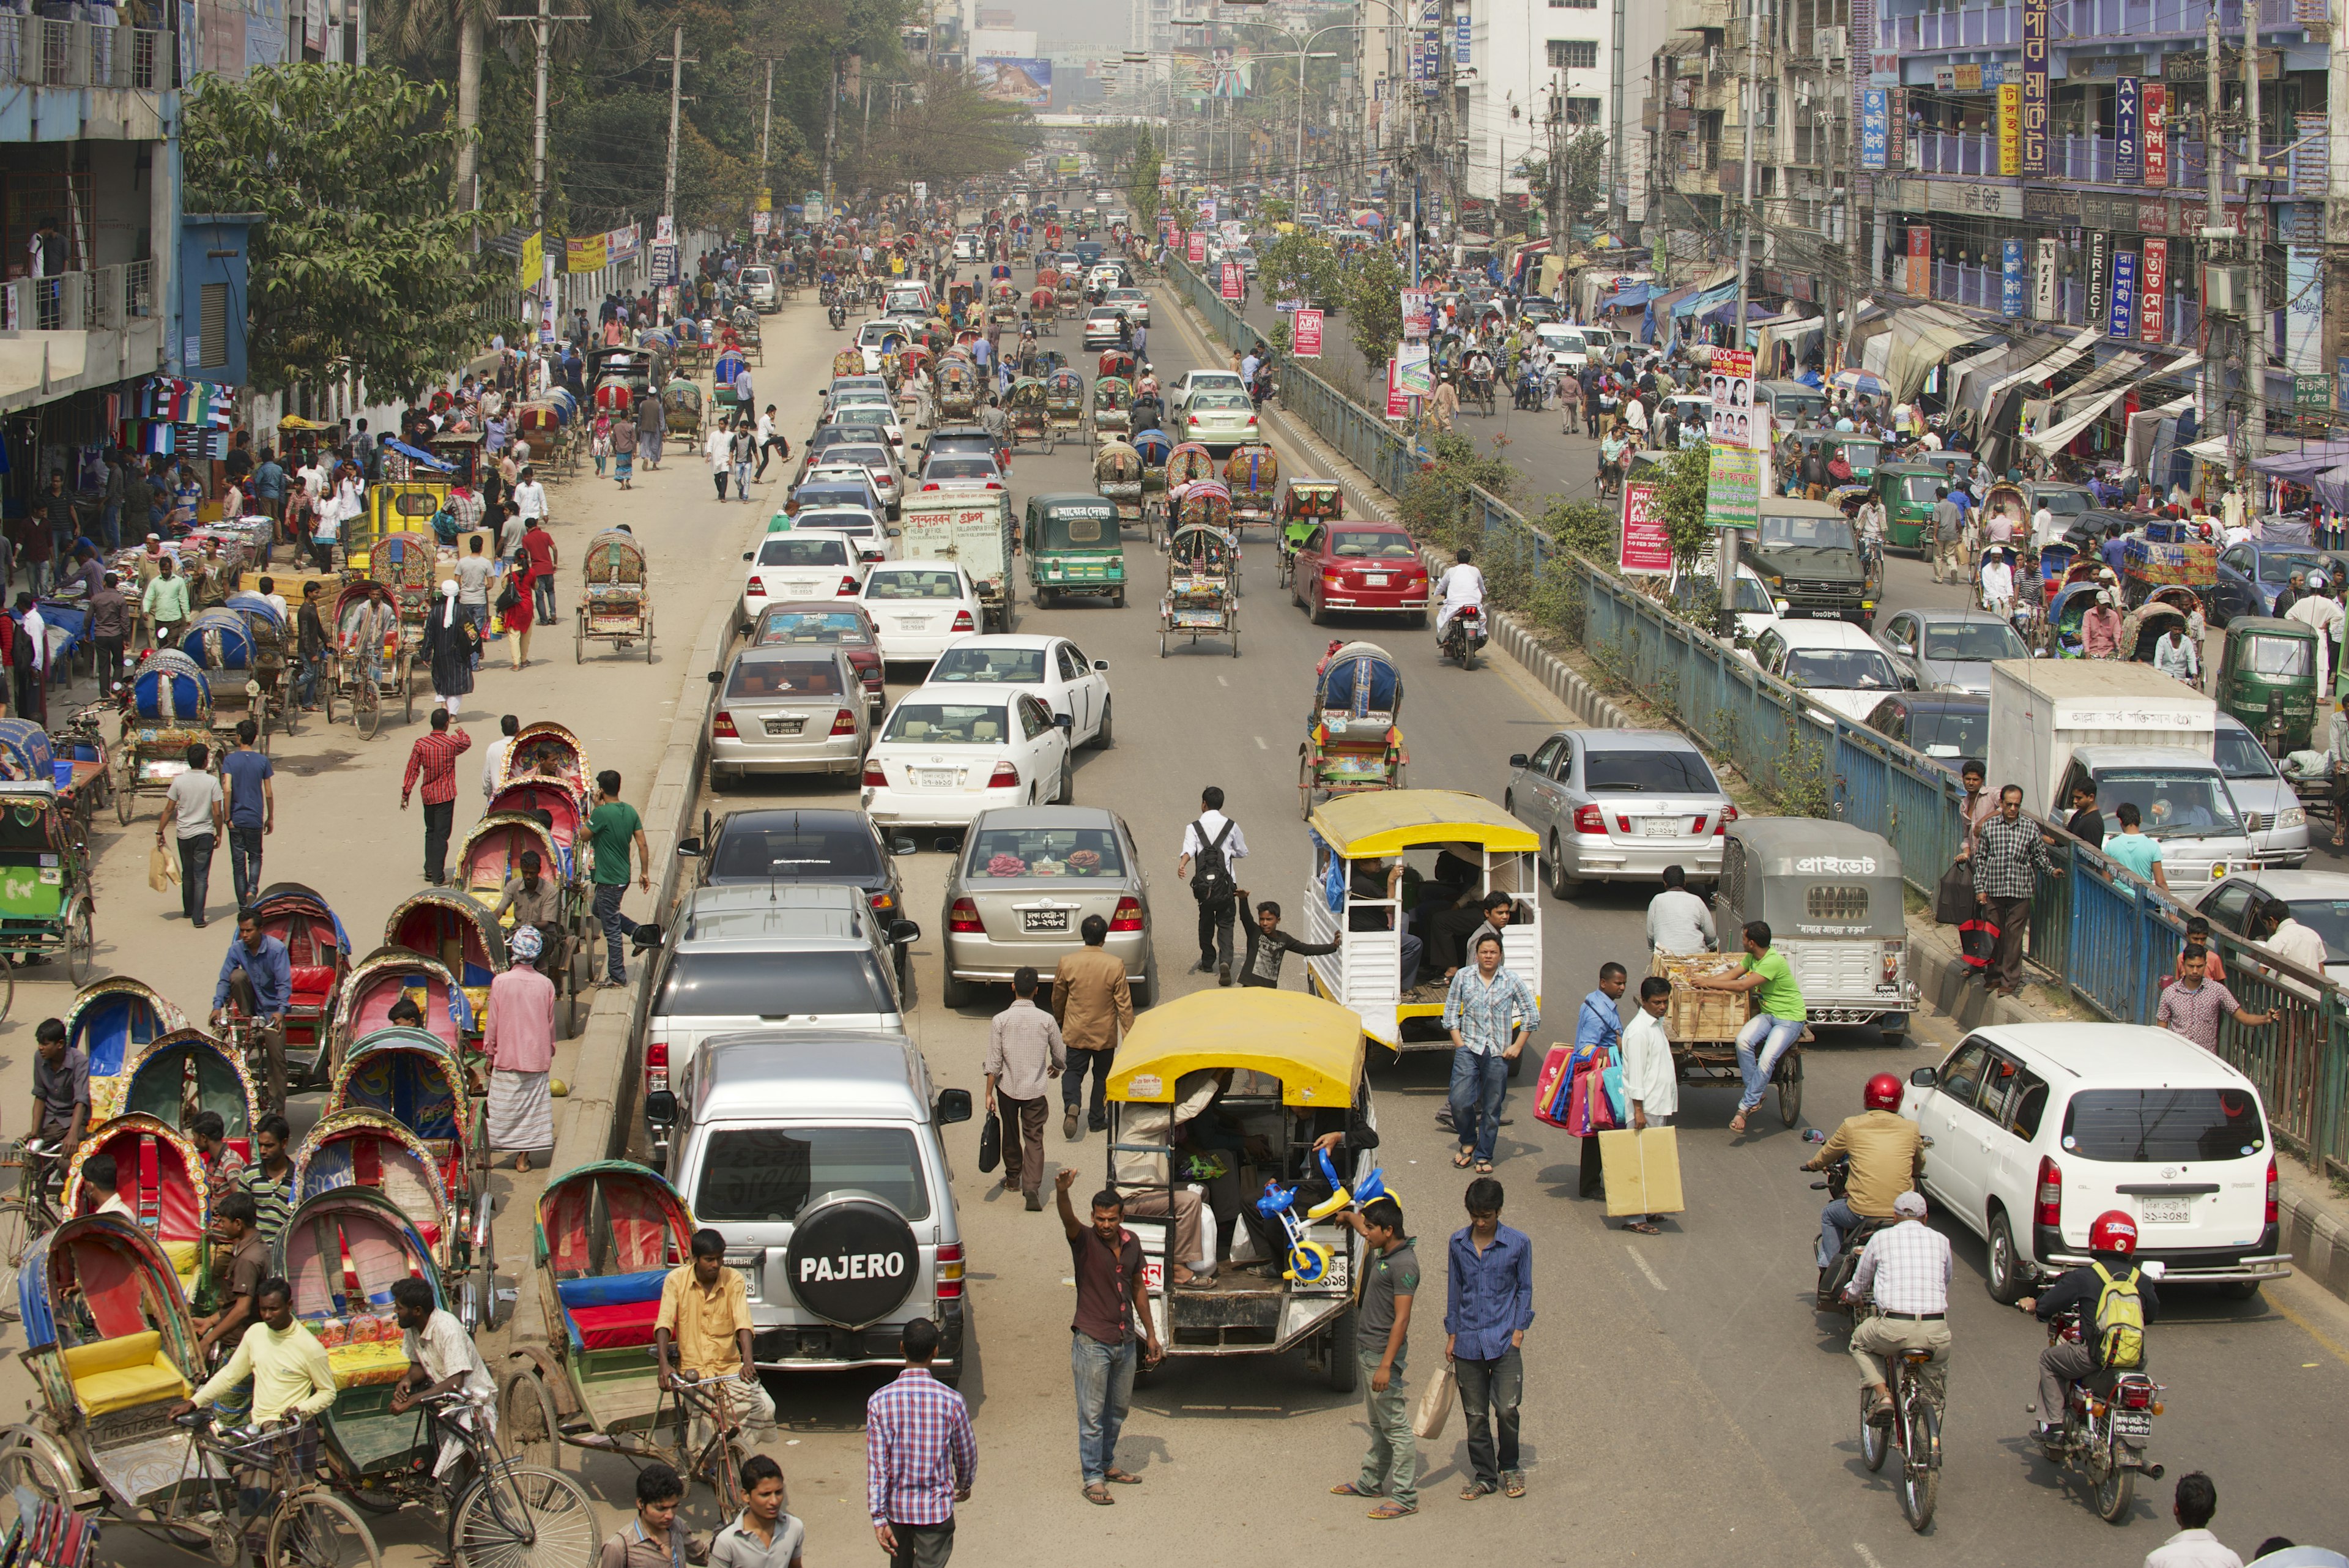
[{"x": 2037, "y": 1128}]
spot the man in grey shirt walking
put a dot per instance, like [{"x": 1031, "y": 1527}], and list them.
[
  {"x": 473, "y": 572},
  {"x": 1948, "y": 537},
  {"x": 1024, "y": 1054}
]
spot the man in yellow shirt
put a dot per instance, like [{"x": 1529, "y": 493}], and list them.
[
  {"x": 705, "y": 1318},
  {"x": 291, "y": 1378}
]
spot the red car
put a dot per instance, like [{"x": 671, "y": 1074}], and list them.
[
  {"x": 827, "y": 623},
  {"x": 1360, "y": 567}
]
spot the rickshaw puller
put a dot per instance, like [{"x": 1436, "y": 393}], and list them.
[{"x": 705, "y": 1317}]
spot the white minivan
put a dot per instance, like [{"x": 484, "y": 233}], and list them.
[
  {"x": 759, "y": 283},
  {"x": 2037, "y": 1128}
]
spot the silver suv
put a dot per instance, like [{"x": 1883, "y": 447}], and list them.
[
  {"x": 817, "y": 1156},
  {"x": 767, "y": 956}
]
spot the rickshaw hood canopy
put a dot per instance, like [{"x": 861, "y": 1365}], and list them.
[
  {"x": 1314, "y": 1047},
  {"x": 1380, "y": 823}
]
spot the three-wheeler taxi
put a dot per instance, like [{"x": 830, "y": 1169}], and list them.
[
  {"x": 2268, "y": 679},
  {"x": 1073, "y": 547}
]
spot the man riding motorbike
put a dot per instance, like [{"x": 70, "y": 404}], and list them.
[
  {"x": 1906, "y": 1267},
  {"x": 2111, "y": 1239},
  {"x": 1886, "y": 1151},
  {"x": 1461, "y": 586},
  {"x": 1480, "y": 377}
]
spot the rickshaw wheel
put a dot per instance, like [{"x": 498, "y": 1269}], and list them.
[
  {"x": 366, "y": 709},
  {"x": 561, "y": 1523},
  {"x": 319, "y": 1530},
  {"x": 126, "y": 801},
  {"x": 526, "y": 1421},
  {"x": 82, "y": 944},
  {"x": 579, "y": 640},
  {"x": 408, "y": 696},
  {"x": 1162, "y": 643},
  {"x": 1304, "y": 785},
  {"x": 649, "y": 639},
  {"x": 1790, "y": 1085}
]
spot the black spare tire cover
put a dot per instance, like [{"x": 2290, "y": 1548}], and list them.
[{"x": 853, "y": 1259}]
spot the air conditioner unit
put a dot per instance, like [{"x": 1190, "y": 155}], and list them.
[{"x": 1831, "y": 43}]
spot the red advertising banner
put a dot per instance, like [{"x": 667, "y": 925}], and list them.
[
  {"x": 1920, "y": 261},
  {"x": 1644, "y": 546},
  {"x": 1306, "y": 338},
  {"x": 2153, "y": 292},
  {"x": 2155, "y": 132},
  {"x": 1198, "y": 247},
  {"x": 1397, "y": 401},
  {"x": 1234, "y": 280}
]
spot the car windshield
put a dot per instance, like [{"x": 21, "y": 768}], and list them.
[
  {"x": 2240, "y": 754},
  {"x": 1950, "y": 732},
  {"x": 1643, "y": 772},
  {"x": 1811, "y": 533},
  {"x": 1750, "y": 598},
  {"x": 991, "y": 665},
  {"x": 1008, "y": 852},
  {"x": 771, "y": 985},
  {"x": 2280, "y": 656},
  {"x": 2066, "y": 503},
  {"x": 1219, "y": 400},
  {"x": 1375, "y": 543},
  {"x": 1920, "y": 487},
  {"x": 2144, "y": 1127},
  {"x": 948, "y": 723},
  {"x": 802, "y": 550},
  {"x": 864, "y": 456},
  {"x": 959, "y": 467},
  {"x": 932, "y": 583},
  {"x": 1221, "y": 380},
  {"x": 2172, "y": 804},
  {"x": 1841, "y": 668},
  {"x": 846, "y": 628},
  {"x": 765, "y": 1176},
  {"x": 796, "y": 849},
  {"x": 1972, "y": 641},
  {"x": 781, "y": 680}
]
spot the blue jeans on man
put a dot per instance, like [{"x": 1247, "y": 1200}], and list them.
[
  {"x": 541, "y": 587},
  {"x": 617, "y": 930},
  {"x": 1837, "y": 1221},
  {"x": 479, "y": 615},
  {"x": 1759, "y": 1043},
  {"x": 1104, "y": 1379},
  {"x": 1480, "y": 1084}
]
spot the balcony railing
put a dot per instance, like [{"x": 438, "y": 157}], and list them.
[
  {"x": 1982, "y": 288},
  {"x": 102, "y": 300},
  {"x": 2088, "y": 159},
  {"x": 2000, "y": 26},
  {"x": 45, "y": 53}
]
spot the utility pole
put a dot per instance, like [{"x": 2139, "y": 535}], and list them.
[
  {"x": 1615, "y": 118},
  {"x": 1752, "y": 117},
  {"x": 468, "y": 111},
  {"x": 2214, "y": 219},
  {"x": 1447, "y": 124},
  {"x": 831, "y": 122},
  {"x": 677, "y": 63},
  {"x": 540, "y": 23},
  {"x": 2255, "y": 243},
  {"x": 767, "y": 124}
]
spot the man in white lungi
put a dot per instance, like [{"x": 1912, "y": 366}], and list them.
[{"x": 520, "y": 1039}]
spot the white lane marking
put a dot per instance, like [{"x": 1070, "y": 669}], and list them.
[
  {"x": 1654, "y": 1278},
  {"x": 1259, "y": 744},
  {"x": 1865, "y": 1554}
]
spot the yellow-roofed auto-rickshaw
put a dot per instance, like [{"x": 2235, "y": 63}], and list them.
[
  {"x": 1257, "y": 1063},
  {"x": 1451, "y": 848}
]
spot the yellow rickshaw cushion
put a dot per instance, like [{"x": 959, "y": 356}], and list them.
[
  {"x": 119, "y": 1373},
  {"x": 361, "y": 1365}
]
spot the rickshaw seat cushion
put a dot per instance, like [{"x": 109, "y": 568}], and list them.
[
  {"x": 620, "y": 1326},
  {"x": 614, "y": 1290},
  {"x": 367, "y": 1364},
  {"x": 312, "y": 980},
  {"x": 122, "y": 1373}
]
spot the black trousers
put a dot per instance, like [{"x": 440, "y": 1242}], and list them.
[
  {"x": 1072, "y": 1082},
  {"x": 1215, "y": 919},
  {"x": 438, "y": 820},
  {"x": 195, "y": 875},
  {"x": 922, "y": 1545},
  {"x": 2012, "y": 916}
]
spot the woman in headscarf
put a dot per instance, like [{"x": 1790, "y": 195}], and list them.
[
  {"x": 519, "y": 616},
  {"x": 519, "y": 1035},
  {"x": 451, "y": 643}
]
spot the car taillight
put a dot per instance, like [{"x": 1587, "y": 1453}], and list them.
[
  {"x": 992, "y": 484},
  {"x": 2272, "y": 1192},
  {"x": 1128, "y": 917},
  {"x": 874, "y": 777},
  {"x": 962, "y": 621},
  {"x": 844, "y": 722},
  {"x": 1589, "y": 819},
  {"x": 949, "y": 1271},
  {"x": 932, "y": 485},
  {"x": 756, "y": 585},
  {"x": 1728, "y": 816},
  {"x": 964, "y": 918},
  {"x": 2047, "y": 1203},
  {"x": 1332, "y": 575},
  {"x": 847, "y": 588},
  {"x": 722, "y": 726},
  {"x": 884, "y": 901},
  {"x": 656, "y": 1065},
  {"x": 1004, "y": 776}
]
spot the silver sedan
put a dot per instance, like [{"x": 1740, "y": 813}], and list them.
[
  {"x": 789, "y": 710},
  {"x": 1950, "y": 650},
  {"x": 1022, "y": 885},
  {"x": 1620, "y": 805}
]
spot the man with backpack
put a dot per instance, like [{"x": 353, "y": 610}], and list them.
[
  {"x": 1211, "y": 845},
  {"x": 2115, "y": 1308}
]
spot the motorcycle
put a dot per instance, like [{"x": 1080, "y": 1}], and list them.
[
  {"x": 1465, "y": 636},
  {"x": 1528, "y": 396},
  {"x": 837, "y": 316},
  {"x": 2108, "y": 1423},
  {"x": 1836, "y": 1278},
  {"x": 829, "y": 294}
]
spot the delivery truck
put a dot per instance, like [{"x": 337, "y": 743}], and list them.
[
  {"x": 2133, "y": 734},
  {"x": 971, "y": 527}
]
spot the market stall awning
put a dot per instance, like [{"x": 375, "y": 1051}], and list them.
[
  {"x": 2044, "y": 413},
  {"x": 1975, "y": 369},
  {"x": 2079, "y": 415},
  {"x": 1921, "y": 337},
  {"x": 1628, "y": 298},
  {"x": 1705, "y": 302},
  {"x": 2299, "y": 464},
  {"x": 2062, "y": 359}
]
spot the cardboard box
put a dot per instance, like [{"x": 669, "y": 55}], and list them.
[{"x": 1642, "y": 1171}]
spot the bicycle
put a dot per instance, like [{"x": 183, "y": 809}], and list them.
[
  {"x": 27, "y": 1214},
  {"x": 503, "y": 1513},
  {"x": 713, "y": 1462},
  {"x": 1916, "y": 1403},
  {"x": 310, "y": 1526}
]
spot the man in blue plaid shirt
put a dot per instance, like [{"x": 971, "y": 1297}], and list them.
[{"x": 1489, "y": 1012}]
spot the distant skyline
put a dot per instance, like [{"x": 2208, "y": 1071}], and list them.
[{"x": 1059, "y": 23}]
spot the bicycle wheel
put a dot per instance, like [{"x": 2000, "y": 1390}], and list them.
[
  {"x": 1920, "y": 1470},
  {"x": 1875, "y": 1441},
  {"x": 27, "y": 1468},
  {"x": 524, "y": 1518},
  {"x": 319, "y": 1530}
]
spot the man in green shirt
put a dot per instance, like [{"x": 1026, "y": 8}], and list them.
[
  {"x": 165, "y": 602},
  {"x": 1778, "y": 1015},
  {"x": 614, "y": 830}
]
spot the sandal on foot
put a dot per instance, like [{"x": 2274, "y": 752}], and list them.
[
  {"x": 1737, "y": 1123},
  {"x": 1513, "y": 1483},
  {"x": 1484, "y": 1168},
  {"x": 1475, "y": 1489},
  {"x": 1121, "y": 1478},
  {"x": 1644, "y": 1229},
  {"x": 1098, "y": 1494},
  {"x": 1460, "y": 1161},
  {"x": 1392, "y": 1509},
  {"x": 1347, "y": 1489}
]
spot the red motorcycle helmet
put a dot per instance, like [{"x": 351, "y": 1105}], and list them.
[
  {"x": 1883, "y": 1093},
  {"x": 2113, "y": 1232}
]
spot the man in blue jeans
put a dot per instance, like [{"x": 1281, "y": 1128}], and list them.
[
  {"x": 1111, "y": 1311},
  {"x": 1489, "y": 1012},
  {"x": 1599, "y": 1027},
  {"x": 1488, "y": 1306},
  {"x": 1778, "y": 1015},
  {"x": 614, "y": 831},
  {"x": 252, "y": 809}
]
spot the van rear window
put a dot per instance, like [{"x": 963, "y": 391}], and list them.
[
  {"x": 2141, "y": 1126},
  {"x": 765, "y": 1176},
  {"x": 771, "y": 985}
]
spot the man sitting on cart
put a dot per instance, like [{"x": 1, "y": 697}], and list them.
[
  {"x": 1778, "y": 1015},
  {"x": 291, "y": 1378},
  {"x": 442, "y": 1359},
  {"x": 705, "y": 1318}
]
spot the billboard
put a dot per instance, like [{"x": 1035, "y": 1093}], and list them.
[
  {"x": 1026, "y": 82},
  {"x": 1307, "y": 334},
  {"x": 1002, "y": 44}
]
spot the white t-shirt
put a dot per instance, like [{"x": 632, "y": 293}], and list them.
[
  {"x": 444, "y": 1349},
  {"x": 1462, "y": 585},
  {"x": 314, "y": 479},
  {"x": 192, "y": 798},
  {"x": 530, "y": 496},
  {"x": 495, "y": 759},
  {"x": 1235, "y": 847},
  {"x": 2298, "y": 944}
]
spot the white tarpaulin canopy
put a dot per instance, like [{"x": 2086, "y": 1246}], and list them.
[
  {"x": 2059, "y": 360},
  {"x": 2080, "y": 415},
  {"x": 1920, "y": 339}
]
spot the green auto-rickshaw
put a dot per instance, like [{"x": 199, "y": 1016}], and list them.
[
  {"x": 1906, "y": 490},
  {"x": 1072, "y": 546},
  {"x": 2268, "y": 677}
]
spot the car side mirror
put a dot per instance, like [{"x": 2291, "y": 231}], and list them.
[
  {"x": 716, "y": 676},
  {"x": 904, "y": 931},
  {"x": 660, "y": 1109},
  {"x": 748, "y": 553},
  {"x": 648, "y": 937},
  {"x": 895, "y": 533},
  {"x": 903, "y": 845},
  {"x": 1517, "y": 759},
  {"x": 952, "y": 1105},
  {"x": 1064, "y": 721},
  {"x": 1925, "y": 1078},
  {"x": 688, "y": 847},
  {"x": 1102, "y": 665}
]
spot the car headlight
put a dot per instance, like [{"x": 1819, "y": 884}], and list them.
[{"x": 2291, "y": 816}]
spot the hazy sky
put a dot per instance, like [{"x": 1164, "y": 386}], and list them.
[{"x": 1070, "y": 21}]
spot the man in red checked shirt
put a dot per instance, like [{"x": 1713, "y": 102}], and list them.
[{"x": 434, "y": 757}]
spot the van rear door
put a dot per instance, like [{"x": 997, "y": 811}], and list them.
[{"x": 2189, "y": 1161}]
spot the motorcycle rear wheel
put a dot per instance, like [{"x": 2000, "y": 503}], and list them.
[{"x": 2116, "y": 1491}]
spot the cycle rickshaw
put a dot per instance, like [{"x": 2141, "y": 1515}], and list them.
[
  {"x": 1252, "y": 473},
  {"x": 48, "y": 904},
  {"x": 1117, "y": 475},
  {"x": 363, "y": 679},
  {"x": 1113, "y": 409},
  {"x": 1029, "y": 422},
  {"x": 1203, "y": 579},
  {"x": 1064, "y": 405},
  {"x": 616, "y": 603},
  {"x": 385, "y": 978},
  {"x": 1352, "y": 741},
  {"x": 169, "y": 707},
  {"x": 956, "y": 383}
]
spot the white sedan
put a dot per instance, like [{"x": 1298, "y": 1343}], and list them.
[
  {"x": 1195, "y": 381},
  {"x": 1218, "y": 419},
  {"x": 1052, "y": 667},
  {"x": 802, "y": 563},
  {"x": 920, "y": 607},
  {"x": 947, "y": 754}
]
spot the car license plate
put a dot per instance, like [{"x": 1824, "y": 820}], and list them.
[
  {"x": 785, "y": 726},
  {"x": 2167, "y": 1211},
  {"x": 1044, "y": 920},
  {"x": 1660, "y": 826},
  {"x": 912, "y": 622},
  {"x": 750, "y": 1273},
  {"x": 2133, "y": 1423},
  {"x": 1377, "y": 581},
  {"x": 932, "y": 778}
]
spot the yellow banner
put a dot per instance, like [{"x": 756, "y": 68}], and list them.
[
  {"x": 587, "y": 255},
  {"x": 533, "y": 259},
  {"x": 766, "y": 200},
  {"x": 2009, "y": 128}
]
